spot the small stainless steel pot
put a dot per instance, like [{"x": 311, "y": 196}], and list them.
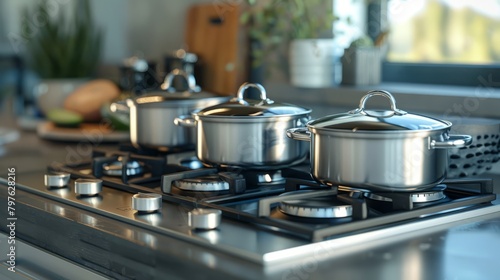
[
  {"x": 248, "y": 133},
  {"x": 380, "y": 150},
  {"x": 152, "y": 115}
]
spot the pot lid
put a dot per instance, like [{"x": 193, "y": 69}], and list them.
[
  {"x": 171, "y": 94},
  {"x": 160, "y": 97},
  {"x": 361, "y": 119},
  {"x": 241, "y": 107}
]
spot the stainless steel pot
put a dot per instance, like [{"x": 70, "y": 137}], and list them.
[
  {"x": 384, "y": 150},
  {"x": 152, "y": 115},
  {"x": 248, "y": 133}
]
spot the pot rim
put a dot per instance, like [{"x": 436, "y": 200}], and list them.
[
  {"x": 250, "y": 119},
  {"x": 156, "y": 101},
  {"x": 306, "y": 111},
  {"x": 374, "y": 133}
]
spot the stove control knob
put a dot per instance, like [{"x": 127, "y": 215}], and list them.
[
  {"x": 146, "y": 202},
  {"x": 204, "y": 218},
  {"x": 88, "y": 187},
  {"x": 56, "y": 180}
]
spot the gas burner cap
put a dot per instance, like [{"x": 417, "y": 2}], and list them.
[
  {"x": 191, "y": 162},
  {"x": 317, "y": 207},
  {"x": 208, "y": 183},
  {"x": 430, "y": 195},
  {"x": 115, "y": 168}
]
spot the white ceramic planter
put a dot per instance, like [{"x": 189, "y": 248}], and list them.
[{"x": 314, "y": 63}]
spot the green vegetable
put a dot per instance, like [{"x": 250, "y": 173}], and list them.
[
  {"x": 118, "y": 120},
  {"x": 64, "y": 118}
]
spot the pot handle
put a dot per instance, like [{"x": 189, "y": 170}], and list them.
[
  {"x": 454, "y": 141},
  {"x": 262, "y": 92},
  {"x": 372, "y": 93},
  {"x": 120, "y": 106},
  {"x": 186, "y": 121},
  {"x": 299, "y": 133},
  {"x": 191, "y": 81}
]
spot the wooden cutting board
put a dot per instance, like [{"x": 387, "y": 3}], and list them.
[{"x": 214, "y": 33}]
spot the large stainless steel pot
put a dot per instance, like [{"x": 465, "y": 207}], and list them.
[
  {"x": 152, "y": 115},
  {"x": 248, "y": 133},
  {"x": 383, "y": 150}
]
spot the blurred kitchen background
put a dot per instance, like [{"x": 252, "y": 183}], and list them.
[
  {"x": 438, "y": 54},
  {"x": 64, "y": 62}
]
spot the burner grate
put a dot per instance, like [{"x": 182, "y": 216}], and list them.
[
  {"x": 260, "y": 202},
  {"x": 155, "y": 166},
  {"x": 466, "y": 193}
]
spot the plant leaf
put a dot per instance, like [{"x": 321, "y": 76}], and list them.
[{"x": 62, "y": 48}]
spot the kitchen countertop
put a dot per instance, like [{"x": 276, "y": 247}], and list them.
[{"x": 462, "y": 250}]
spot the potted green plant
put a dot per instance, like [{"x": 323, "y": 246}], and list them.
[
  {"x": 361, "y": 63},
  {"x": 290, "y": 31},
  {"x": 63, "y": 50}
]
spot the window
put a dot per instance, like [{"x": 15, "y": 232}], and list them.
[{"x": 442, "y": 41}]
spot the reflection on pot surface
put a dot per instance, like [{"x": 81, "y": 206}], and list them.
[
  {"x": 152, "y": 115},
  {"x": 248, "y": 133},
  {"x": 379, "y": 150}
]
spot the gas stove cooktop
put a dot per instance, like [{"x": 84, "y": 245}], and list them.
[{"x": 280, "y": 214}]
